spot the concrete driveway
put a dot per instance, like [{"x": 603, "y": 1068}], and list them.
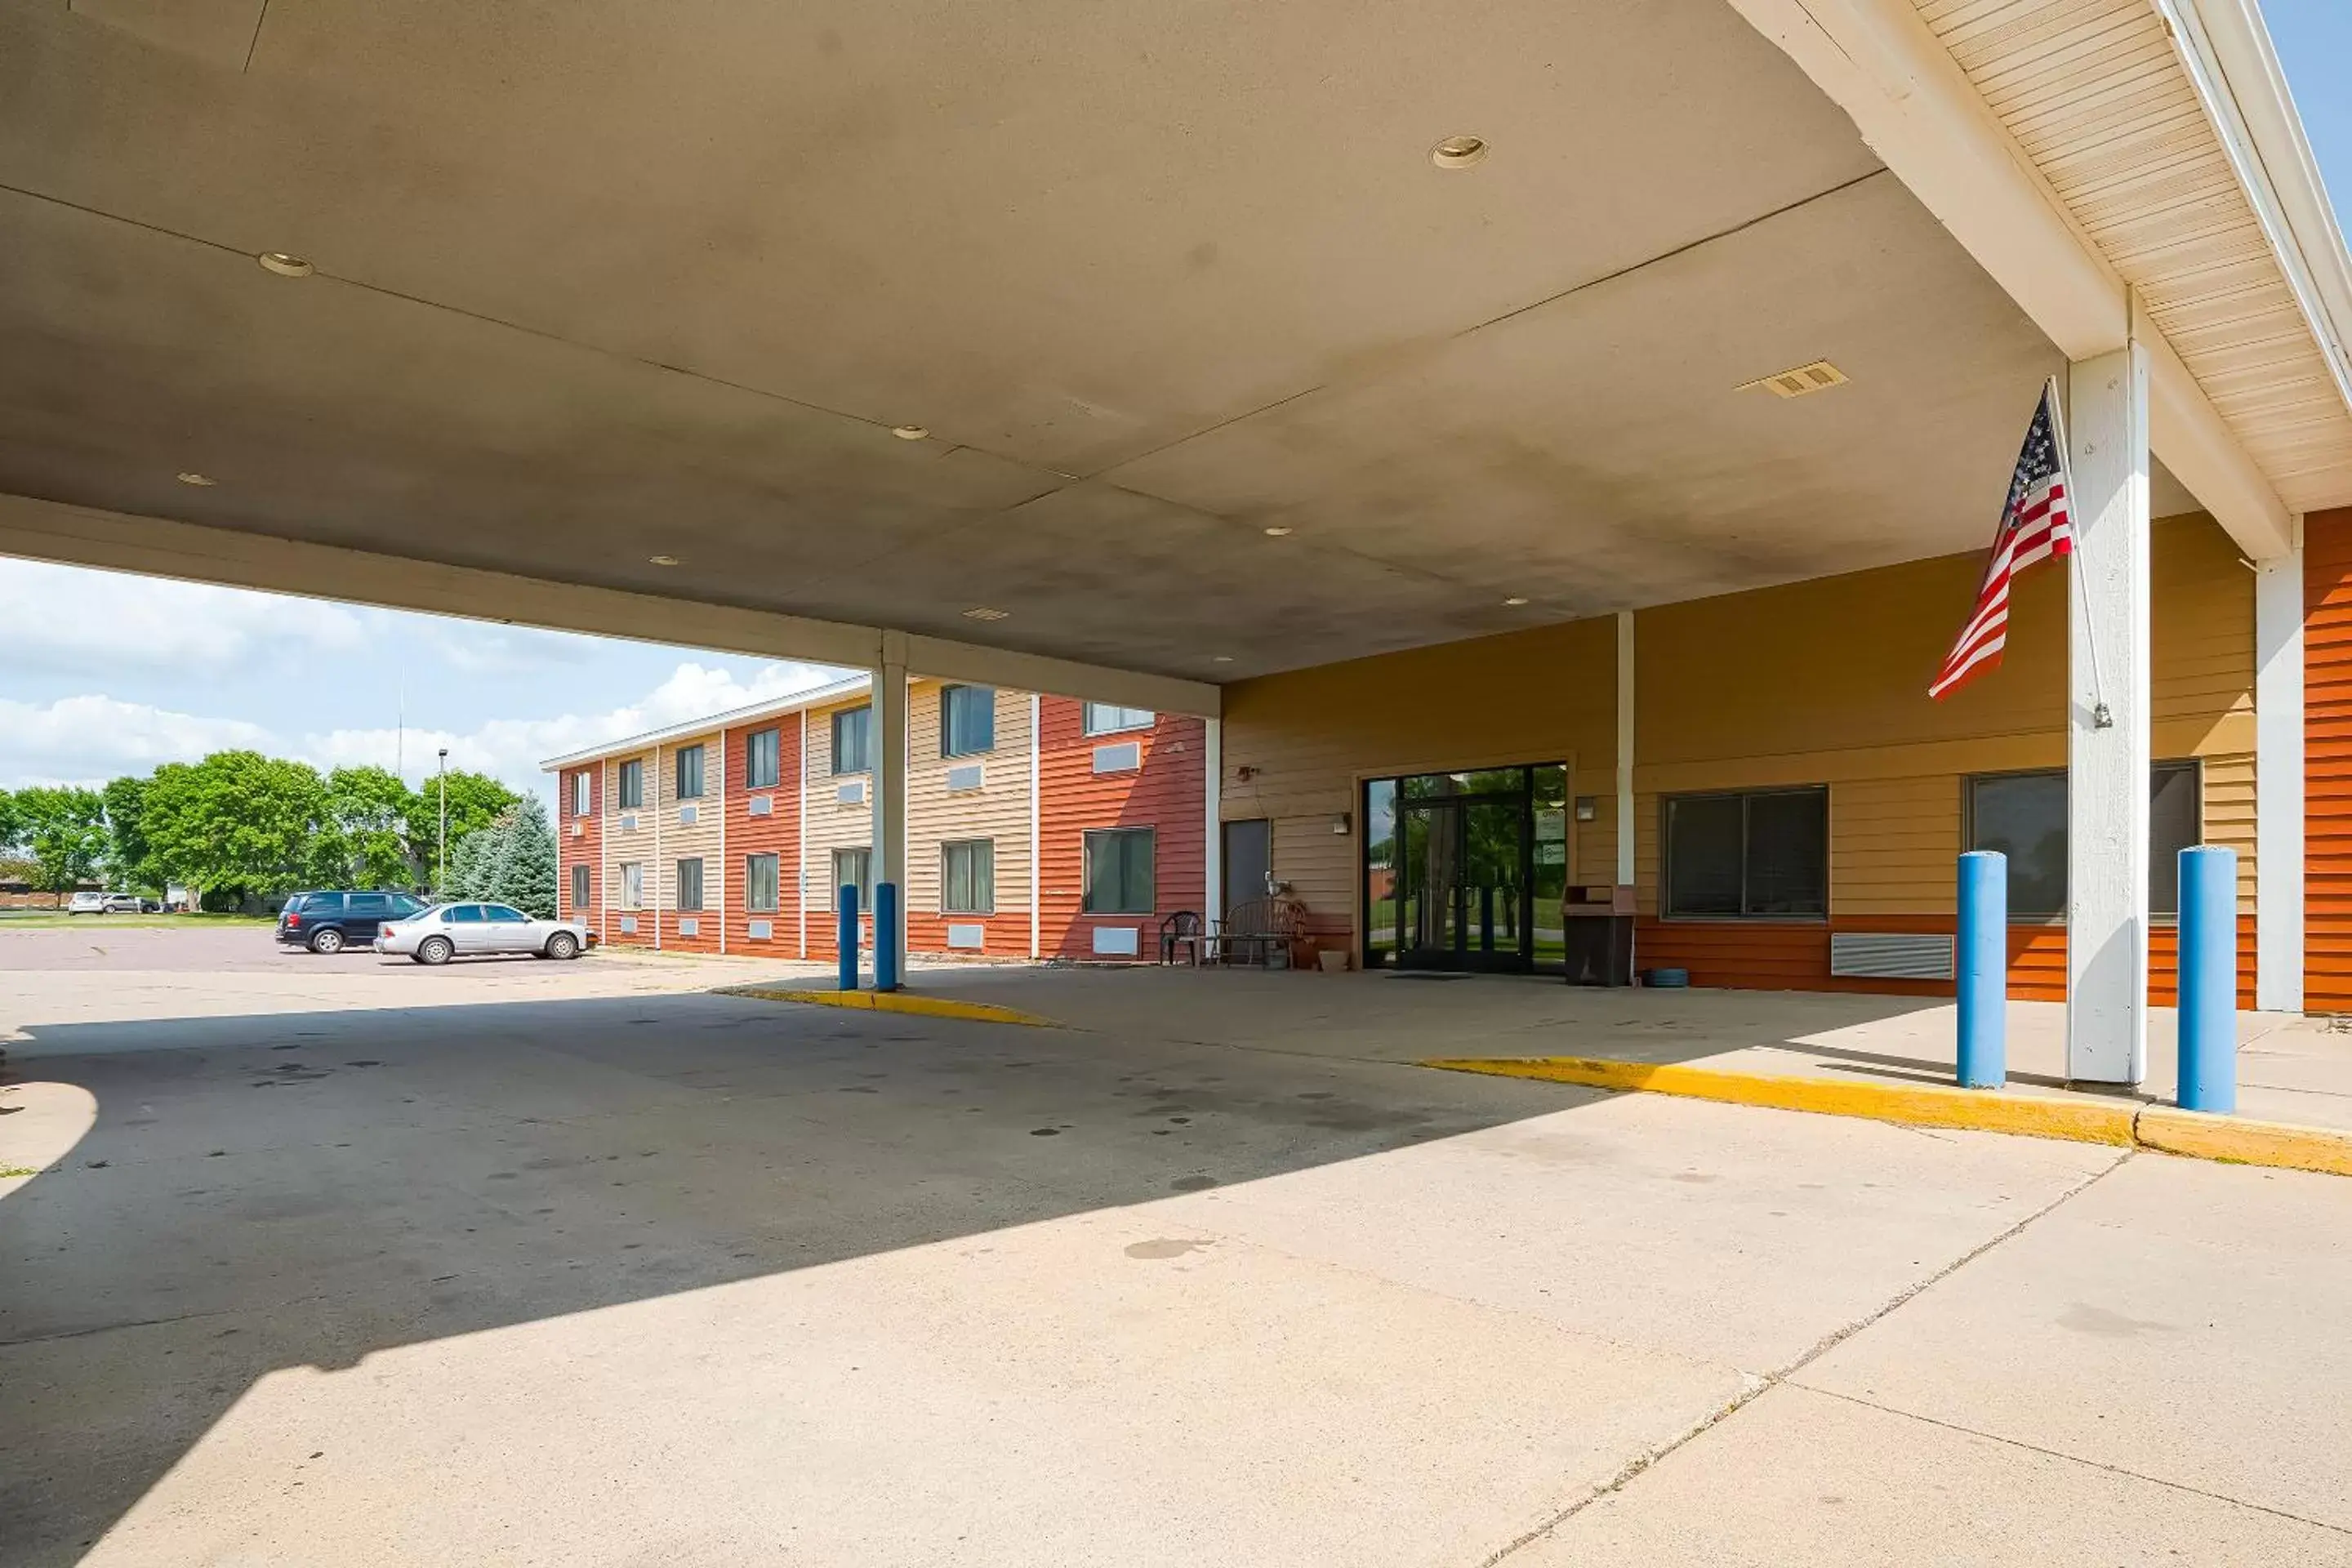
[{"x": 663, "y": 1277}]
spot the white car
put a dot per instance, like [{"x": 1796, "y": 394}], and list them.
[
  {"x": 469, "y": 930},
  {"x": 93, "y": 903}
]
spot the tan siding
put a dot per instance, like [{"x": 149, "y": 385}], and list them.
[
  {"x": 626, "y": 845},
  {"x": 681, "y": 842},
  {"x": 1309, "y": 737},
  {"x": 998, "y": 811}
]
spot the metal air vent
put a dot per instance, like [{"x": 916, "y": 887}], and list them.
[
  {"x": 1890, "y": 955},
  {"x": 762, "y": 806},
  {"x": 969, "y": 776},
  {"x": 1818, "y": 376}
]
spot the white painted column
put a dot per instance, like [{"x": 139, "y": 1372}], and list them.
[
  {"x": 2278, "y": 781},
  {"x": 722, "y": 843},
  {"x": 1623, "y": 826},
  {"x": 606, "y": 823},
  {"x": 888, "y": 789},
  {"x": 2107, "y": 686},
  {"x": 661, "y": 800},
  {"x": 1036, "y": 809},
  {"x": 1213, "y": 854},
  {"x": 800, "y": 839}
]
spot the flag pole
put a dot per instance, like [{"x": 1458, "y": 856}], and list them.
[{"x": 2101, "y": 719}]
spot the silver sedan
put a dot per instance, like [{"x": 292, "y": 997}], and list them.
[{"x": 467, "y": 930}]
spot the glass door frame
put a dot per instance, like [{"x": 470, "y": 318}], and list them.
[{"x": 1520, "y": 956}]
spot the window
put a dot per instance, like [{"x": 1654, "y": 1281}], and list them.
[
  {"x": 464, "y": 914},
  {"x": 633, "y": 783},
  {"x": 967, "y": 720},
  {"x": 370, "y": 906},
  {"x": 582, "y": 798},
  {"x": 1119, "y": 872},
  {"x": 761, "y": 754},
  {"x": 967, "y": 877},
  {"x": 1110, "y": 718},
  {"x": 579, "y": 889},
  {"x": 690, "y": 772},
  {"x": 1760, "y": 854},
  {"x": 853, "y": 740},
  {"x": 853, "y": 867},
  {"x": 632, "y": 885},
  {"x": 690, "y": 885},
  {"x": 760, "y": 884},
  {"x": 505, "y": 915},
  {"x": 2024, "y": 816}
]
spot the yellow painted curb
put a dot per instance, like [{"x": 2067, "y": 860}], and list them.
[
  {"x": 898, "y": 1002},
  {"x": 2195, "y": 1134},
  {"x": 2226, "y": 1137},
  {"x": 1919, "y": 1105}
]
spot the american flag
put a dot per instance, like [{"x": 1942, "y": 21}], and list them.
[{"x": 2035, "y": 525}]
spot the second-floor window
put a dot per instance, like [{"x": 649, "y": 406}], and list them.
[
  {"x": 633, "y": 783},
  {"x": 1110, "y": 718},
  {"x": 762, "y": 759},
  {"x": 690, "y": 772},
  {"x": 967, "y": 720},
  {"x": 853, "y": 740},
  {"x": 583, "y": 795}
]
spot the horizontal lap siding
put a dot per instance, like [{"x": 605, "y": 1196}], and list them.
[
  {"x": 828, "y": 826},
  {"x": 998, "y": 811},
  {"x": 625, "y": 845},
  {"x": 2327, "y": 761},
  {"x": 681, "y": 842},
  {"x": 578, "y": 842},
  {"x": 777, "y": 834},
  {"x": 1296, "y": 746},
  {"x": 1780, "y": 955},
  {"x": 1168, "y": 794}
]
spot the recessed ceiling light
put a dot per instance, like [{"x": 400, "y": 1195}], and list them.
[
  {"x": 1458, "y": 151},
  {"x": 663, "y": 559},
  {"x": 1221, "y": 659},
  {"x": 203, "y": 480},
  {"x": 1277, "y": 532},
  {"x": 983, "y": 612},
  {"x": 284, "y": 266},
  {"x": 908, "y": 432},
  {"x": 1515, "y": 601}
]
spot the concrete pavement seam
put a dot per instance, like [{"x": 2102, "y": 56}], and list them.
[
  {"x": 2073, "y": 1458},
  {"x": 1764, "y": 1383}
]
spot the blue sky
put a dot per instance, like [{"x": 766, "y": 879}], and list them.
[{"x": 103, "y": 674}]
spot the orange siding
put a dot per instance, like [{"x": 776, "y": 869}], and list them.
[
  {"x": 778, "y": 833},
  {"x": 2327, "y": 761},
  {"x": 578, "y": 842},
  {"x": 1773, "y": 956},
  {"x": 1168, "y": 794}
]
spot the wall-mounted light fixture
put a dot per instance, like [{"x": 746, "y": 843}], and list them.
[
  {"x": 1339, "y": 823},
  {"x": 1588, "y": 807}
]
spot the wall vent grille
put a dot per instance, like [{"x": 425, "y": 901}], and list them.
[{"x": 1890, "y": 955}]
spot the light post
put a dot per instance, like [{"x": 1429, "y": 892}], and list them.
[{"x": 441, "y": 846}]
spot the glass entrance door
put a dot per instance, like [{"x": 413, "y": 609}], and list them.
[{"x": 1457, "y": 867}]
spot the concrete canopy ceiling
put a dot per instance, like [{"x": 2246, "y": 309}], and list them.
[{"x": 601, "y": 281}]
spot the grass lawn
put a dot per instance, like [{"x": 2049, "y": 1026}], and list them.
[{"x": 39, "y": 920}]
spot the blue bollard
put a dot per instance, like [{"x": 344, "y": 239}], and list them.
[
  {"x": 2209, "y": 980},
  {"x": 885, "y": 936},
  {"x": 1981, "y": 969},
  {"x": 848, "y": 938}
]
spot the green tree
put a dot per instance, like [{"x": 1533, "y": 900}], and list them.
[
  {"x": 363, "y": 841},
  {"x": 476, "y": 801},
  {"x": 235, "y": 821},
  {"x": 130, "y": 860},
  {"x": 11, "y": 826},
  {"x": 512, "y": 861},
  {"x": 65, "y": 829}
]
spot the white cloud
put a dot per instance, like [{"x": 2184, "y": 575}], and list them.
[
  {"x": 512, "y": 749},
  {"x": 89, "y": 739},
  {"x": 70, "y": 618}
]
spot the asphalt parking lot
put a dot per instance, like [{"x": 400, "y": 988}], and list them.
[{"x": 582, "y": 1264}]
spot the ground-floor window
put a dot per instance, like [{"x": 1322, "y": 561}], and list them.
[
  {"x": 968, "y": 876},
  {"x": 2024, "y": 816},
  {"x": 760, "y": 884},
  {"x": 1467, "y": 870},
  {"x": 1758, "y": 854},
  {"x": 690, "y": 885},
  {"x": 1120, "y": 873},
  {"x": 854, "y": 868},
  {"x": 579, "y": 886},
  {"x": 632, "y": 885}
]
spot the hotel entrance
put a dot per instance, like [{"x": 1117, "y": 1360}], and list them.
[{"x": 1467, "y": 870}]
